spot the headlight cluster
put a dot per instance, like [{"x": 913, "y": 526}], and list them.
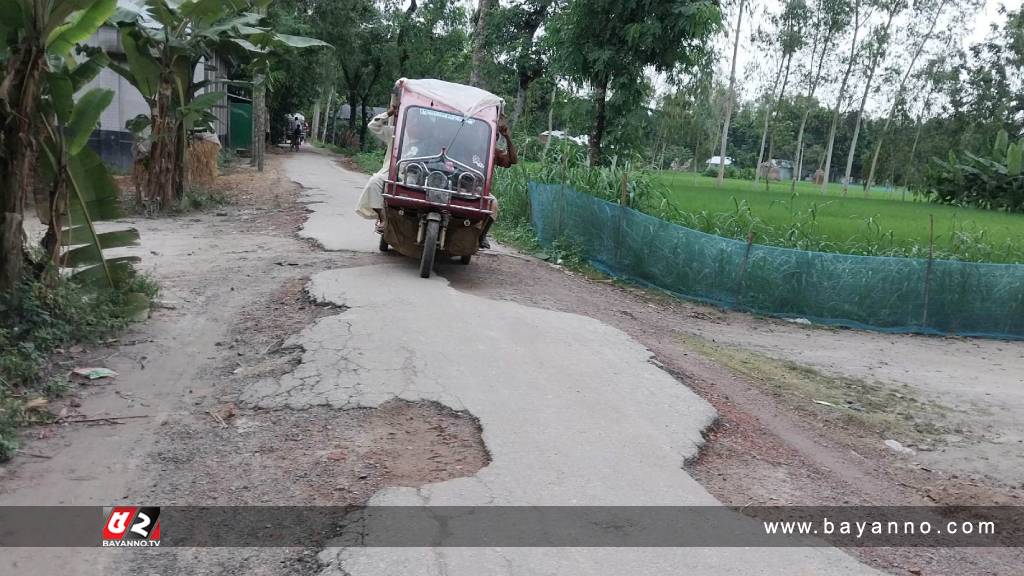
[{"x": 417, "y": 174}]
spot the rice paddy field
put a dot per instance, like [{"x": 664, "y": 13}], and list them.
[{"x": 892, "y": 223}]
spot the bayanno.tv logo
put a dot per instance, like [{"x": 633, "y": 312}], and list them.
[{"x": 132, "y": 526}]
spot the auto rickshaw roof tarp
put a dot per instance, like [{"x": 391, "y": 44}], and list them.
[{"x": 466, "y": 99}]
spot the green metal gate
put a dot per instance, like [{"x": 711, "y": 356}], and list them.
[{"x": 241, "y": 126}]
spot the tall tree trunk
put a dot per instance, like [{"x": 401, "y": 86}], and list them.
[
  {"x": 551, "y": 120},
  {"x": 254, "y": 119},
  {"x": 597, "y": 132},
  {"x": 528, "y": 67},
  {"x": 840, "y": 97},
  {"x": 696, "y": 148},
  {"x": 480, "y": 42},
  {"x": 315, "y": 126},
  {"x": 731, "y": 98},
  {"x": 259, "y": 110},
  {"x": 352, "y": 99},
  {"x": 362, "y": 124},
  {"x": 811, "y": 89},
  {"x": 55, "y": 198},
  {"x": 162, "y": 174},
  {"x": 783, "y": 64},
  {"x": 919, "y": 122},
  {"x": 521, "y": 93},
  {"x": 327, "y": 116},
  {"x": 19, "y": 91},
  {"x": 899, "y": 95},
  {"x": 875, "y": 59}
]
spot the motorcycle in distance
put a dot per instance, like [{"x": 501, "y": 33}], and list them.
[{"x": 437, "y": 197}]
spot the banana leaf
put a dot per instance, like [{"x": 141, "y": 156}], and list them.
[
  {"x": 90, "y": 185},
  {"x": 115, "y": 271},
  {"x": 88, "y": 69},
  {"x": 84, "y": 117},
  {"x": 62, "y": 94},
  {"x": 76, "y": 235},
  {"x": 88, "y": 254},
  {"x": 64, "y": 37},
  {"x": 1013, "y": 158},
  {"x": 143, "y": 69}
]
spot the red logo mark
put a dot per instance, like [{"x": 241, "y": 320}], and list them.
[{"x": 139, "y": 525}]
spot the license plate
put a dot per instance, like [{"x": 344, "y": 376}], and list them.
[{"x": 439, "y": 196}]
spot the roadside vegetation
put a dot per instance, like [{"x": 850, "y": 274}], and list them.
[
  {"x": 63, "y": 288},
  {"x": 41, "y": 317}
]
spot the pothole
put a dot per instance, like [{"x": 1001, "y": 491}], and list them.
[{"x": 317, "y": 456}]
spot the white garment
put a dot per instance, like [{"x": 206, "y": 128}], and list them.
[
  {"x": 380, "y": 128},
  {"x": 372, "y": 197}
]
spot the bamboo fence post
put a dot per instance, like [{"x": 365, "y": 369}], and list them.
[
  {"x": 928, "y": 270},
  {"x": 743, "y": 267}
]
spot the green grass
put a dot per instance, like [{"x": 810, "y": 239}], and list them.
[{"x": 884, "y": 223}]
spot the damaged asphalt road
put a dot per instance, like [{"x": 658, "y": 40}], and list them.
[{"x": 572, "y": 411}]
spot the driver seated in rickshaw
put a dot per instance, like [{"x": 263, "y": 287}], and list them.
[{"x": 422, "y": 139}]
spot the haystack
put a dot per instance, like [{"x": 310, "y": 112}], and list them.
[{"x": 202, "y": 159}]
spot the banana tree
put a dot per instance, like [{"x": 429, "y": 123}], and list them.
[
  {"x": 163, "y": 44},
  {"x": 74, "y": 188},
  {"x": 38, "y": 113},
  {"x": 995, "y": 182}
]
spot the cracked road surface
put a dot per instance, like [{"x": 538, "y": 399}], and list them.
[{"x": 572, "y": 410}]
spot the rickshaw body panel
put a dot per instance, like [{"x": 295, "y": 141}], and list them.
[{"x": 402, "y": 228}]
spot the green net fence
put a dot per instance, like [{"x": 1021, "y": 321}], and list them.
[{"x": 880, "y": 293}]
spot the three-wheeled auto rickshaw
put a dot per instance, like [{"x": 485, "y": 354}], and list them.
[{"x": 437, "y": 197}]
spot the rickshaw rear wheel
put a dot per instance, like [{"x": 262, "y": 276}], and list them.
[
  {"x": 465, "y": 259},
  {"x": 383, "y": 244},
  {"x": 429, "y": 248}
]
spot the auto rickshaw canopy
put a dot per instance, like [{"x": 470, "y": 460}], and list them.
[{"x": 467, "y": 100}]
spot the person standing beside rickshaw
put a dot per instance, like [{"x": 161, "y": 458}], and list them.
[
  {"x": 506, "y": 159},
  {"x": 371, "y": 202}
]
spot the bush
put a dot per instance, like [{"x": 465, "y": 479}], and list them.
[
  {"x": 745, "y": 174},
  {"x": 369, "y": 161},
  {"x": 730, "y": 172},
  {"x": 993, "y": 183},
  {"x": 35, "y": 320}
]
